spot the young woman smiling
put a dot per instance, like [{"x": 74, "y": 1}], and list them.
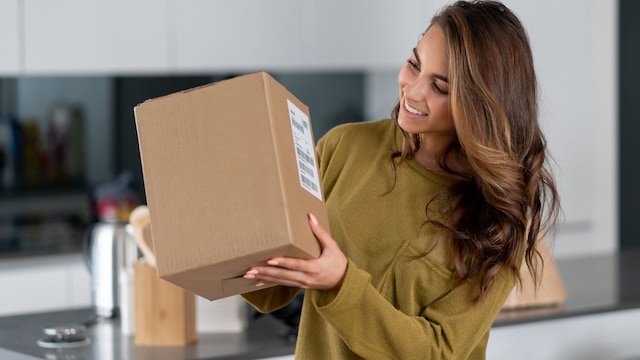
[{"x": 432, "y": 211}]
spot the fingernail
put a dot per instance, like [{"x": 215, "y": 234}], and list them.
[
  {"x": 249, "y": 276},
  {"x": 313, "y": 219},
  {"x": 272, "y": 262},
  {"x": 258, "y": 284}
]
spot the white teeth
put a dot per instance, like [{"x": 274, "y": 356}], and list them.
[{"x": 412, "y": 110}]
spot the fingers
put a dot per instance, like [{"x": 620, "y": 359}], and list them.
[
  {"x": 282, "y": 271},
  {"x": 320, "y": 232},
  {"x": 324, "y": 273}
]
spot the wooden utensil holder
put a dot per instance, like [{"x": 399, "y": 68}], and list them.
[{"x": 165, "y": 314}]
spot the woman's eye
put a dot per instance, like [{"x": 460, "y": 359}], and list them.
[
  {"x": 439, "y": 89},
  {"x": 413, "y": 64}
]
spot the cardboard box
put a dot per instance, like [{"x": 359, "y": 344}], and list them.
[{"x": 230, "y": 175}]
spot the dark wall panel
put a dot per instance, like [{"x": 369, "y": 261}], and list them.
[{"x": 629, "y": 129}]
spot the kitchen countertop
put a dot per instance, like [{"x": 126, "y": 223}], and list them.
[
  {"x": 595, "y": 285},
  {"x": 266, "y": 337}
]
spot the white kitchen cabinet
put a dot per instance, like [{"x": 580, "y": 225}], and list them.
[
  {"x": 62, "y": 282},
  {"x": 43, "y": 284},
  {"x": 240, "y": 35},
  {"x": 9, "y": 37},
  {"x": 76, "y": 36},
  {"x": 251, "y": 35},
  {"x": 610, "y": 335},
  {"x": 362, "y": 34},
  {"x": 146, "y": 36}
]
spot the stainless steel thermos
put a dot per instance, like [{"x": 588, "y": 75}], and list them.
[{"x": 110, "y": 250}]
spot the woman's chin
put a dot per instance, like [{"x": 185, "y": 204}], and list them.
[{"x": 409, "y": 125}]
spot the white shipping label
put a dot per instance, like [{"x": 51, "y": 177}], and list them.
[{"x": 305, "y": 151}]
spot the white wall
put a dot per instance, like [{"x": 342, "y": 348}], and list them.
[{"x": 574, "y": 45}]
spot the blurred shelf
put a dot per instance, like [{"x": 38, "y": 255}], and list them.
[
  {"x": 43, "y": 191},
  {"x": 45, "y": 201},
  {"x": 43, "y": 221}
]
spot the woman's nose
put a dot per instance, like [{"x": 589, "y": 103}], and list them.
[{"x": 417, "y": 89}]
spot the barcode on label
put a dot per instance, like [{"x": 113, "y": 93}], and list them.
[
  {"x": 305, "y": 157},
  {"x": 304, "y": 150},
  {"x": 305, "y": 168},
  {"x": 298, "y": 126},
  {"x": 307, "y": 182}
]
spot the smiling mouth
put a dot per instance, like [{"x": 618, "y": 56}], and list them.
[{"x": 413, "y": 110}]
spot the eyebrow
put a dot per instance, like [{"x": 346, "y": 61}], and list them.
[
  {"x": 415, "y": 53},
  {"x": 437, "y": 76}
]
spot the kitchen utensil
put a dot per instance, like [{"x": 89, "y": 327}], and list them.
[
  {"x": 66, "y": 335},
  {"x": 108, "y": 251},
  {"x": 165, "y": 314},
  {"x": 140, "y": 221}
]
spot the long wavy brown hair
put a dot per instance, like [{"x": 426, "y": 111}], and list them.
[{"x": 505, "y": 197}]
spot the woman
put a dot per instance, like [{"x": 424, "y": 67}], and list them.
[{"x": 432, "y": 211}]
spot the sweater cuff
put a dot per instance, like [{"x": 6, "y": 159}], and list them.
[{"x": 355, "y": 280}]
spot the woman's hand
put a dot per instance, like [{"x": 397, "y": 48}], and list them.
[{"x": 324, "y": 273}]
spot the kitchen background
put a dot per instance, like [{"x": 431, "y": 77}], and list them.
[
  {"x": 78, "y": 134},
  {"x": 72, "y": 71}
]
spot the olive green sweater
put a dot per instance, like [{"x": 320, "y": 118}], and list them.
[{"x": 394, "y": 303}]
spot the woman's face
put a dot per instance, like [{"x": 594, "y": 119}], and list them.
[{"x": 424, "y": 88}]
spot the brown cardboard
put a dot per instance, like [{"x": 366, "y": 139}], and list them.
[
  {"x": 551, "y": 291},
  {"x": 222, "y": 180}
]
